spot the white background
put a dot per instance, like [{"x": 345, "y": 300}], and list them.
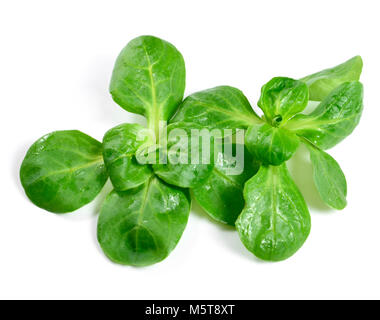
[{"x": 56, "y": 59}]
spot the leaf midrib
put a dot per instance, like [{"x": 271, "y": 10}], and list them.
[
  {"x": 249, "y": 120},
  {"x": 315, "y": 123},
  {"x": 227, "y": 178},
  {"x": 154, "y": 111},
  {"x": 69, "y": 170}
]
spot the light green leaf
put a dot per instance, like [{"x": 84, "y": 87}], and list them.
[
  {"x": 271, "y": 145},
  {"x": 217, "y": 108},
  {"x": 329, "y": 178},
  {"x": 149, "y": 79},
  {"x": 120, "y": 145},
  {"x": 185, "y": 161},
  {"x": 221, "y": 195},
  {"x": 334, "y": 118},
  {"x": 281, "y": 98},
  {"x": 142, "y": 226},
  {"x": 63, "y": 171},
  {"x": 275, "y": 221},
  {"x": 322, "y": 83}
]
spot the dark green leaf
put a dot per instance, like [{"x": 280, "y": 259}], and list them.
[
  {"x": 142, "y": 226},
  {"x": 217, "y": 108},
  {"x": 334, "y": 118},
  {"x": 120, "y": 145},
  {"x": 63, "y": 171},
  {"x": 329, "y": 178},
  {"x": 275, "y": 221},
  {"x": 149, "y": 79},
  {"x": 281, "y": 98},
  {"x": 187, "y": 163},
  {"x": 271, "y": 145},
  {"x": 322, "y": 83},
  {"x": 221, "y": 195}
]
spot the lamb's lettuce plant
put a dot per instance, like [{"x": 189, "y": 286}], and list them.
[
  {"x": 143, "y": 218},
  {"x": 151, "y": 168},
  {"x": 275, "y": 221}
]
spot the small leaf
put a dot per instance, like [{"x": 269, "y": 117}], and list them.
[
  {"x": 322, "y": 83},
  {"x": 275, "y": 221},
  {"x": 221, "y": 195},
  {"x": 281, "y": 98},
  {"x": 217, "y": 108},
  {"x": 63, "y": 171},
  {"x": 271, "y": 145},
  {"x": 142, "y": 226},
  {"x": 184, "y": 161},
  {"x": 333, "y": 119},
  {"x": 329, "y": 178},
  {"x": 149, "y": 79},
  {"x": 120, "y": 145}
]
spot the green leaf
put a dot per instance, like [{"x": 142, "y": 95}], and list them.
[
  {"x": 271, "y": 145},
  {"x": 149, "y": 79},
  {"x": 221, "y": 195},
  {"x": 142, "y": 226},
  {"x": 275, "y": 221},
  {"x": 329, "y": 178},
  {"x": 281, "y": 98},
  {"x": 63, "y": 171},
  {"x": 333, "y": 119},
  {"x": 120, "y": 145},
  {"x": 217, "y": 108},
  {"x": 186, "y": 162},
  {"x": 322, "y": 83}
]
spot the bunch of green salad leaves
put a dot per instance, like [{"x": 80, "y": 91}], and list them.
[{"x": 143, "y": 218}]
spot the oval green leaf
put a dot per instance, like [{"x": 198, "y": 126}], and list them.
[
  {"x": 142, "y": 226},
  {"x": 120, "y": 145},
  {"x": 221, "y": 107},
  {"x": 221, "y": 195},
  {"x": 275, "y": 221},
  {"x": 149, "y": 78},
  {"x": 63, "y": 171},
  {"x": 333, "y": 119},
  {"x": 323, "y": 82},
  {"x": 329, "y": 178},
  {"x": 281, "y": 98},
  {"x": 271, "y": 145}
]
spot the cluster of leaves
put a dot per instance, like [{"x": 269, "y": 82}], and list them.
[
  {"x": 143, "y": 218},
  {"x": 275, "y": 219}
]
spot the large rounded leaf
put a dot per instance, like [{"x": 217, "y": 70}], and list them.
[
  {"x": 271, "y": 145},
  {"x": 275, "y": 221},
  {"x": 221, "y": 195},
  {"x": 333, "y": 119},
  {"x": 149, "y": 78},
  {"x": 217, "y": 108},
  {"x": 120, "y": 145},
  {"x": 63, "y": 171},
  {"x": 142, "y": 226}
]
